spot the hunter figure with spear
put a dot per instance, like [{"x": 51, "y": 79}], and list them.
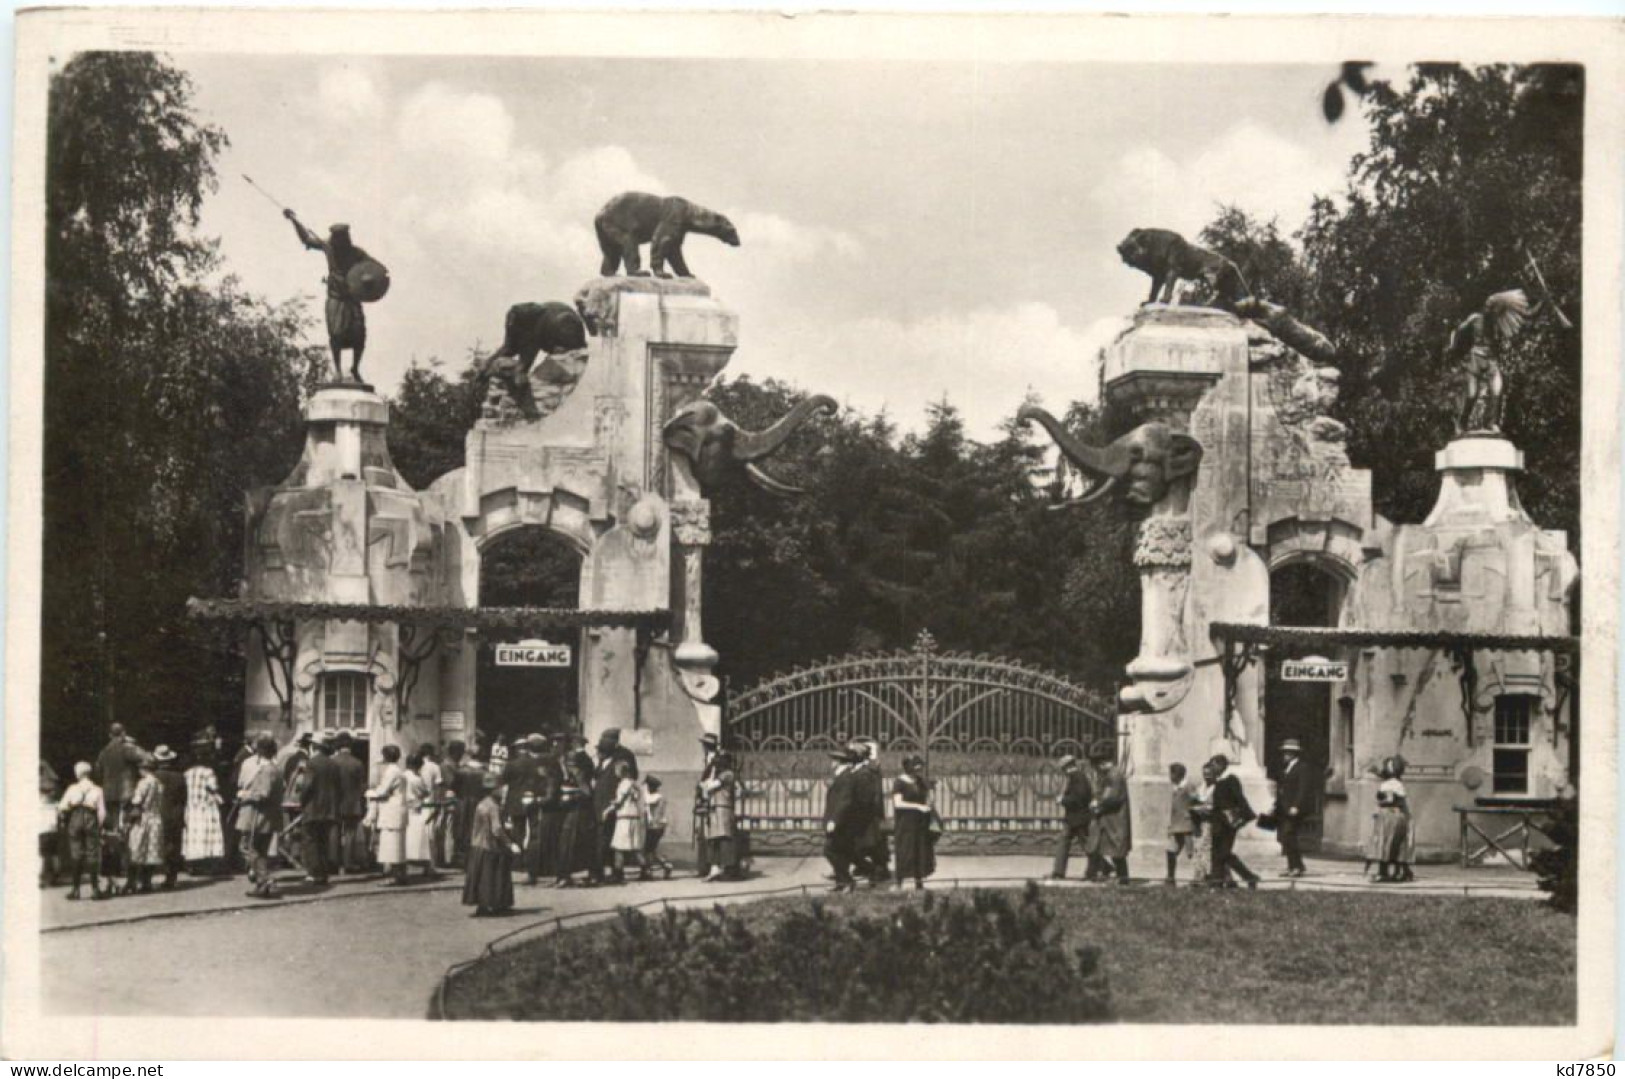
[{"x": 353, "y": 278}]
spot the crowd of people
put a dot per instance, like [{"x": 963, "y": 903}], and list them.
[
  {"x": 559, "y": 812},
  {"x": 546, "y": 805}
]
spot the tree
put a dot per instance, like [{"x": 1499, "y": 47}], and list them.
[
  {"x": 1471, "y": 177},
  {"x": 168, "y": 393},
  {"x": 430, "y": 418}
]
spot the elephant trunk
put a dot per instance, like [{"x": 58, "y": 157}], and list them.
[
  {"x": 755, "y": 445},
  {"x": 1109, "y": 464}
]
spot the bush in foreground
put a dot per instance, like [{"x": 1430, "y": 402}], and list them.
[{"x": 986, "y": 957}]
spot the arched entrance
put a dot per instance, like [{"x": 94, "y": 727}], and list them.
[
  {"x": 528, "y": 566},
  {"x": 1302, "y": 593}
]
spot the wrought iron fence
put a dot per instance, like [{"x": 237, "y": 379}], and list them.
[{"x": 989, "y": 729}]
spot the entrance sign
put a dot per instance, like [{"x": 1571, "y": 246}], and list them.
[
  {"x": 1314, "y": 669},
  {"x": 533, "y": 654}
]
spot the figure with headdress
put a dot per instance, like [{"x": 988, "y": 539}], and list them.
[
  {"x": 1479, "y": 344},
  {"x": 353, "y": 277}
]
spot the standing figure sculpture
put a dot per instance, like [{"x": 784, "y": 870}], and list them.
[
  {"x": 353, "y": 278},
  {"x": 1478, "y": 343}
]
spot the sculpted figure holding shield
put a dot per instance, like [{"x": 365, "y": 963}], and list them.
[{"x": 353, "y": 278}]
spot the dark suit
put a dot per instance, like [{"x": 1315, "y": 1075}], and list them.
[
  {"x": 321, "y": 799},
  {"x": 1075, "y": 801},
  {"x": 1230, "y": 814},
  {"x": 352, "y": 808},
  {"x": 1294, "y": 800},
  {"x": 172, "y": 811},
  {"x": 870, "y": 847},
  {"x": 844, "y": 818}
]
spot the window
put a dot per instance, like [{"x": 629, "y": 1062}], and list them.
[
  {"x": 1511, "y": 752},
  {"x": 343, "y": 700},
  {"x": 1345, "y": 724}
]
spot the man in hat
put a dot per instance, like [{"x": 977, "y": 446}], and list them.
[
  {"x": 607, "y": 754},
  {"x": 320, "y": 802},
  {"x": 352, "y": 810},
  {"x": 171, "y": 810},
  {"x": 1292, "y": 805},
  {"x": 519, "y": 777},
  {"x": 346, "y": 325},
  {"x": 1074, "y": 802},
  {"x": 871, "y": 853},
  {"x": 844, "y": 819},
  {"x": 259, "y": 816},
  {"x": 1110, "y": 837},
  {"x": 541, "y": 849}
]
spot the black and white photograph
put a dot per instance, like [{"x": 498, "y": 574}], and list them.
[{"x": 1101, "y": 526}]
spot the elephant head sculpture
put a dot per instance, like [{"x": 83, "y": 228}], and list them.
[
  {"x": 712, "y": 443},
  {"x": 1149, "y": 458}
]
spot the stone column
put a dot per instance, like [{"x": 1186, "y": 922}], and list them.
[
  {"x": 695, "y": 659},
  {"x": 1187, "y": 367}
]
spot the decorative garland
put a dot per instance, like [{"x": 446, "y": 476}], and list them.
[
  {"x": 492, "y": 618},
  {"x": 1287, "y": 636}
]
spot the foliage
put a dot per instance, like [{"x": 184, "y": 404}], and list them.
[
  {"x": 168, "y": 393},
  {"x": 987, "y": 957},
  {"x": 430, "y": 417},
  {"x": 1169, "y": 956},
  {"x": 1472, "y": 176},
  {"x": 1557, "y": 868}
]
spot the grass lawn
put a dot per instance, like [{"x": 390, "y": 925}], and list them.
[{"x": 1192, "y": 956}]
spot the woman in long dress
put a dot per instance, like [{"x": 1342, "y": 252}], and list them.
[
  {"x": 204, "y": 844},
  {"x": 146, "y": 836},
  {"x": 1396, "y": 846},
  {"x": 420, "y": 808},
  {"x": 916, "y": 842},
  {"x": 488, "y": 886},
  {"x": 630, "y": 814},
  {"x": 578, "y": 838},
  {"x": 390, "y": 797}
]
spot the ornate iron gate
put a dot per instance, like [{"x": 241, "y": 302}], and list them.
[{"x": 990, "y": 731}]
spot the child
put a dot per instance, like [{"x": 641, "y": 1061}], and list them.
[
  {"x": 83, "y": 813},
  {"x": 629, "y": 814},
  {"x": 1181, "y": 826},
  {"x": 656, "y": 804}
]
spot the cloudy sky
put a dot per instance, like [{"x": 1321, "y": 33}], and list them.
[{"x": 910, "y": 230}]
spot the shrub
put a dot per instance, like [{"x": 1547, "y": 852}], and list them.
[
  {"x": 1557, "y": 869},
  {"x": 981, "y": 958}
]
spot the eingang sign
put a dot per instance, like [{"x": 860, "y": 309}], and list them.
[
  {"x": 533, "y": 654},
  {"x": 1314, "y": 669}
]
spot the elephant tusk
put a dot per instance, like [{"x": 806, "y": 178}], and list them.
[
  {"x": 1099, "y": 490},
  {"x": 771, "y": 485}
]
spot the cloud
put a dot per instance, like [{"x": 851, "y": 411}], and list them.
[
  {"x": 984, "y": 361},
  {"x": 348, "y": 96},
  {"x": 1247, "y": 165},
  {"x": 778, "y": 238}
]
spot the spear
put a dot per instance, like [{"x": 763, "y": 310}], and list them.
[
  {"x": 265, "y": 193},
  {"x": 1562, "y": 319}
]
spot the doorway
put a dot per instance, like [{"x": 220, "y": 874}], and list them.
[
  {"x": 1301, "y": 594},
  {"x": 528, "y": 567}
]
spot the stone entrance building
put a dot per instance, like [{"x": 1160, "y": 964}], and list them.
[
  {"x": 367, "y": 594},
  {"x": 1446, "y": 641}
]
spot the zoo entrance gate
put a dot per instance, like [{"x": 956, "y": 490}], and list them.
[{"x": 989, "y": 729}]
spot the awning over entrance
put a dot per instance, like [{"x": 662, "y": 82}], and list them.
[
  {"x": 523, "y": 619},
  {"x": 1239, "y": 644}
]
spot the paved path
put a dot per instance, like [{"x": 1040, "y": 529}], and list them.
[{"x": 359, "y": 950}]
